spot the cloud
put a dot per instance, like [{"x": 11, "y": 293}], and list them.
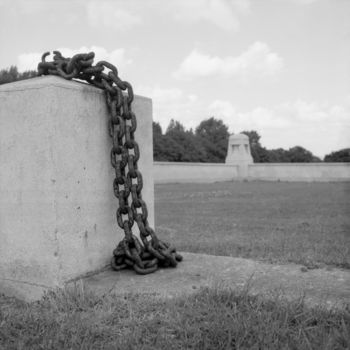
[
  {"x": 29, "y": 61},
  {"x": 111, "y": 14},
  {"x": 24, "y": 7},
  {"x": 124, "y": 15},
  {"x": 319, "y": 127},
  {"x": 223, "y": 110},
  {"x": 258, "y": 118},
  {"x": 173, "y": 103},
  {"x": 221, "y": 13},
  {"x": 257, "y": 60},
  {"x": 301, "y": 2}
]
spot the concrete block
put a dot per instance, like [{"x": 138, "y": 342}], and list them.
[{"x": 57, "y": 207}]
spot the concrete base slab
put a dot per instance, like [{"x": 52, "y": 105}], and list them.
[{"x": 327, "y": 287}]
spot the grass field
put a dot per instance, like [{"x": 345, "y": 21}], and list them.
[
  {"x": 211, "y": 319},
  {"x": 306, "y": 223},
  {"x": 277, "y": 222}
]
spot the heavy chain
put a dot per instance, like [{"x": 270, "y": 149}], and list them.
[{"x": 127, "y": 186}]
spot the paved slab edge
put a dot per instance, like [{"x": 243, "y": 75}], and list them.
[{"x": 325, "y": 287}]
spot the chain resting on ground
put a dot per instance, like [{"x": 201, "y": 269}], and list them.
[{"x": 148, "y": 256}]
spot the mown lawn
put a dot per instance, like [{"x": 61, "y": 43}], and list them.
[{"x": 306, "y": 223}]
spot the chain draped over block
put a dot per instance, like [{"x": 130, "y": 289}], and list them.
[{"x": 152, "y": 253}]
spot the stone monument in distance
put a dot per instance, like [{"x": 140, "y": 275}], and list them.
[{"x": 238, "y": 152}]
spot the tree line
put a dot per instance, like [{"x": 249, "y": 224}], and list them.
[
  {"x": 208, "y": 142},
  {"x": 12, "y": 74}
]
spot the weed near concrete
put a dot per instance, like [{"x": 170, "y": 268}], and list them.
[
  {"x": 304, "y": 223},
  {"x": 210, "y": 319}
]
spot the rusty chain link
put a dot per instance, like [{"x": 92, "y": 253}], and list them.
[{"x": 148, "y": 256}]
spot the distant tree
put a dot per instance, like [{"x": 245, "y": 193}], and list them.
[
  {"x": 260, "y": 154},
  {"x": 254, "y": 138},
  {"x": 8, "y": 75},
  {"x": 11, "y": 74},
  {"x": 278, "y": 155},
  {"x": 184, "y": 145},
  {"x": 158, "y": 142},
  {"x": 213, "y": 135},
  {"x": 195, "y": 149},
  {"x": 299, "y": 154},
  {"x": 157, "y": 129},
  {"x": 175, "y": 141},
  {"x": 164, "y": 148},
  {"x": 342, "y": 155},
  {"x": 177, "y": 144},
  {"x": 175, "y": 128},
  {"x": 172, "y": 150}
]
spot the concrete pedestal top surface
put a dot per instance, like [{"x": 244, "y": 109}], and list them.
[{"x": 326, "y": 287}]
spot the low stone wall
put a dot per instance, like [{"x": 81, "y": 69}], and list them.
[
  {"x": 170, "y": 172},
  {"x": 299, "y": 171}
]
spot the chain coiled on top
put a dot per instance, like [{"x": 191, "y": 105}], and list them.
[{"x": 127, "y": 186}]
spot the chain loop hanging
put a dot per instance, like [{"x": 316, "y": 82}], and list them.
[{"x": 148, "y": 256}]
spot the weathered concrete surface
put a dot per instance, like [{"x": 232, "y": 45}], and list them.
[
  {"x": 299, "y": 172},
  {"x": 330, "y": 288},
  {"x": 57, "y": 208},
  {"x": 176, "y": 172}
]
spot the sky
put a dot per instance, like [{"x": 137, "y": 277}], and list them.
[{"x": 280, "y": 67}]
